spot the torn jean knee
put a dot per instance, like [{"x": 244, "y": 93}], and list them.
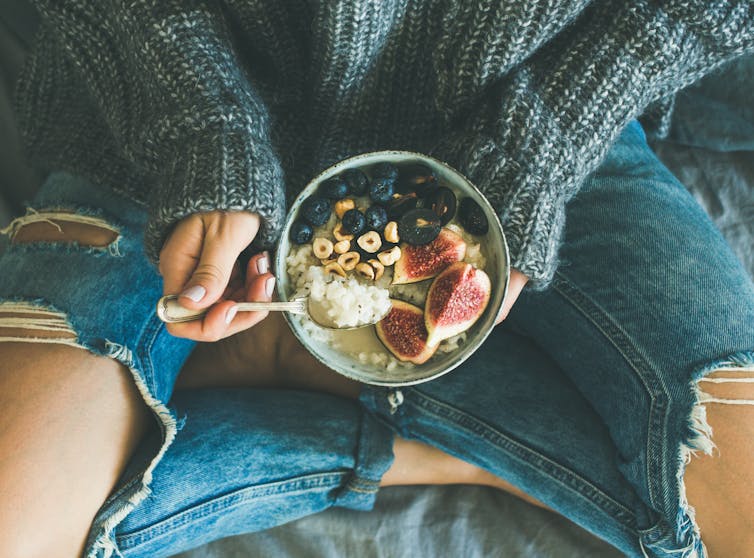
[
  {"x": 100, "y": 298},
  {"x": 25, "y": 321}
]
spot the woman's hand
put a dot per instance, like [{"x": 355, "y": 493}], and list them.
[
  {"x": 515, "y": 286},
  {"x": 200, "y": 261}
]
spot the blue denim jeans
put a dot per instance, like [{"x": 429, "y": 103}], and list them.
[{"x": 587, "y": 397}]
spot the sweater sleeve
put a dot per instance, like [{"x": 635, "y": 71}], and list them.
[
  {"x": 174, "y": 95},
  {"x": 534, "y": 137}
]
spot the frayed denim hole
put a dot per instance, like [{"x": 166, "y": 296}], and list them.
[
  {"x": 46, "y": 229},
  {"x": 736, "y": 369}
]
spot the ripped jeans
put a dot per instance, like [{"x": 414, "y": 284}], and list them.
[{"x": 590, "y": 396}]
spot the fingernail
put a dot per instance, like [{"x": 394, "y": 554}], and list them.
[
  {"x": 269, "y": 286},
  {"x": 232, "y": 311},
  {"x": 263, "y": 264},
  {"x": 195, "y": 293}
]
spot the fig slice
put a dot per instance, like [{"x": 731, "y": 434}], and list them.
[
  {"x": 455, "y": 301},
  {"x": 403, "y": 333},
  {"x": 425, "y": 261}
]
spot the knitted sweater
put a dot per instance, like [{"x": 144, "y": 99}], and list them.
[{"x": 196, "y": 105}]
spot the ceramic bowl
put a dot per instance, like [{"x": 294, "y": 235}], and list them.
[{"x": 497, "y": 267}]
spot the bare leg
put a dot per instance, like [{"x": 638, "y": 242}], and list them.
[
  {"x": 721, "y": 487},
  {"x": 69, "y": 420}
]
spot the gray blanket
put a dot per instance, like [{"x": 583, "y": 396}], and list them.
[{"x": 711, "y": 149}]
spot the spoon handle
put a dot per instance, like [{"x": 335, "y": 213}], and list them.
[{"x": 169, "y": 309}]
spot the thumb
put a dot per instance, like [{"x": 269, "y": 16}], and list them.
[{"x": 220, "y": 249}]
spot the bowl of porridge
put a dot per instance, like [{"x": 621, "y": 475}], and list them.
[{"x": 405, "y": 244}]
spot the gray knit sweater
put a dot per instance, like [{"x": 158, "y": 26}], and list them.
[{"x": 194, "y": 105}]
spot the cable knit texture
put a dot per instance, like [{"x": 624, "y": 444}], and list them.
[{"x": 195, "y": 105}]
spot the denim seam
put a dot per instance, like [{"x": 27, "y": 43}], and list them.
[
  {"x": 656, "y": 390},
  {"x": 227, "y": 501},
  {"x": 560, "y": 474},
  {"x": 148, "y": 336}
]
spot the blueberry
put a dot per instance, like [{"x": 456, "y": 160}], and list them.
[
  {"x": 472, "y": 217},
  {"x": 315, "y": 211},
  {"x": 381, "y": 190},
  {"x": 354, "y": 221},
  {"x": 419, "y": 226},
  {"x": 385, "y": 170},
  {"x": 376, "y": 217},
  {"x": 356, "y": 180},
  {"x": 301, "y": 232},
  {"x": 334, "y": 188}
]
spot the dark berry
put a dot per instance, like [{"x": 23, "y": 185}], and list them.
[
  {"x": 376, "y": 217},
  {"x": 385, "y": 170},
  {"x": 315, "y": 211},
  {"x": 472, "y": 217},
  {"x": 334, "y": 188},
  {"x": 301, "y": 232},
  {"x": 419, "y": 226},
  {"x": 357, "y": 181},
  {"x": 354, "y": 221},
  {"x": 381, "y": 190},
  {"x": 416, "y": 178},
  {"x": 442, "y": 201},
  {"x": 398, "y": 206}
]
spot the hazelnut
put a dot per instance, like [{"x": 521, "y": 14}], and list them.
[
  {"x": 389, "y": 257},
  {"x": 348, "y": 260},
  {"x": 365, "y": 270},
  {"x": 341, "y": 206},
  {"x": 340, "y": 234},
  {"x": 391, "y": 232},
  {"x": 379, "y": 269},
  {"x": 335, "y": 269},
  {"x": 370, "y": 242},
  {"x": 322, "y": 248},
  {"x": 342, "y": 247}
]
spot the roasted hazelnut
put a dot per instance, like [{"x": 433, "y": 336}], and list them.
[
  {"x": 370, "y": 242},
  {"x": 342, "y": 246},
  {"x": 335, "y": 269},
  {"x": 391, "y": 232},
  {"x": 389, "y": 257},
  {"x": 340, "y": 234},
  {"x": 348, "y": 260},
  {"x": 379, "y": 269},
  {"x": 341, "y": 206},
  {"x": 322, "y": 248},
  {"x": 365, "y": 270}
]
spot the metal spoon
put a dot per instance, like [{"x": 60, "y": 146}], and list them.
[{"x": 169, "y": 310}]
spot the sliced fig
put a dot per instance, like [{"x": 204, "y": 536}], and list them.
[
  {"x": 455, "y": 301},
  {"x": 404, "y": 334},
  {"x": 425, "y": 261}
]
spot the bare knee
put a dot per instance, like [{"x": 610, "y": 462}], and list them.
[
  {"x": 719, "y": 486},
  {"x": 69, "y": 420}
]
